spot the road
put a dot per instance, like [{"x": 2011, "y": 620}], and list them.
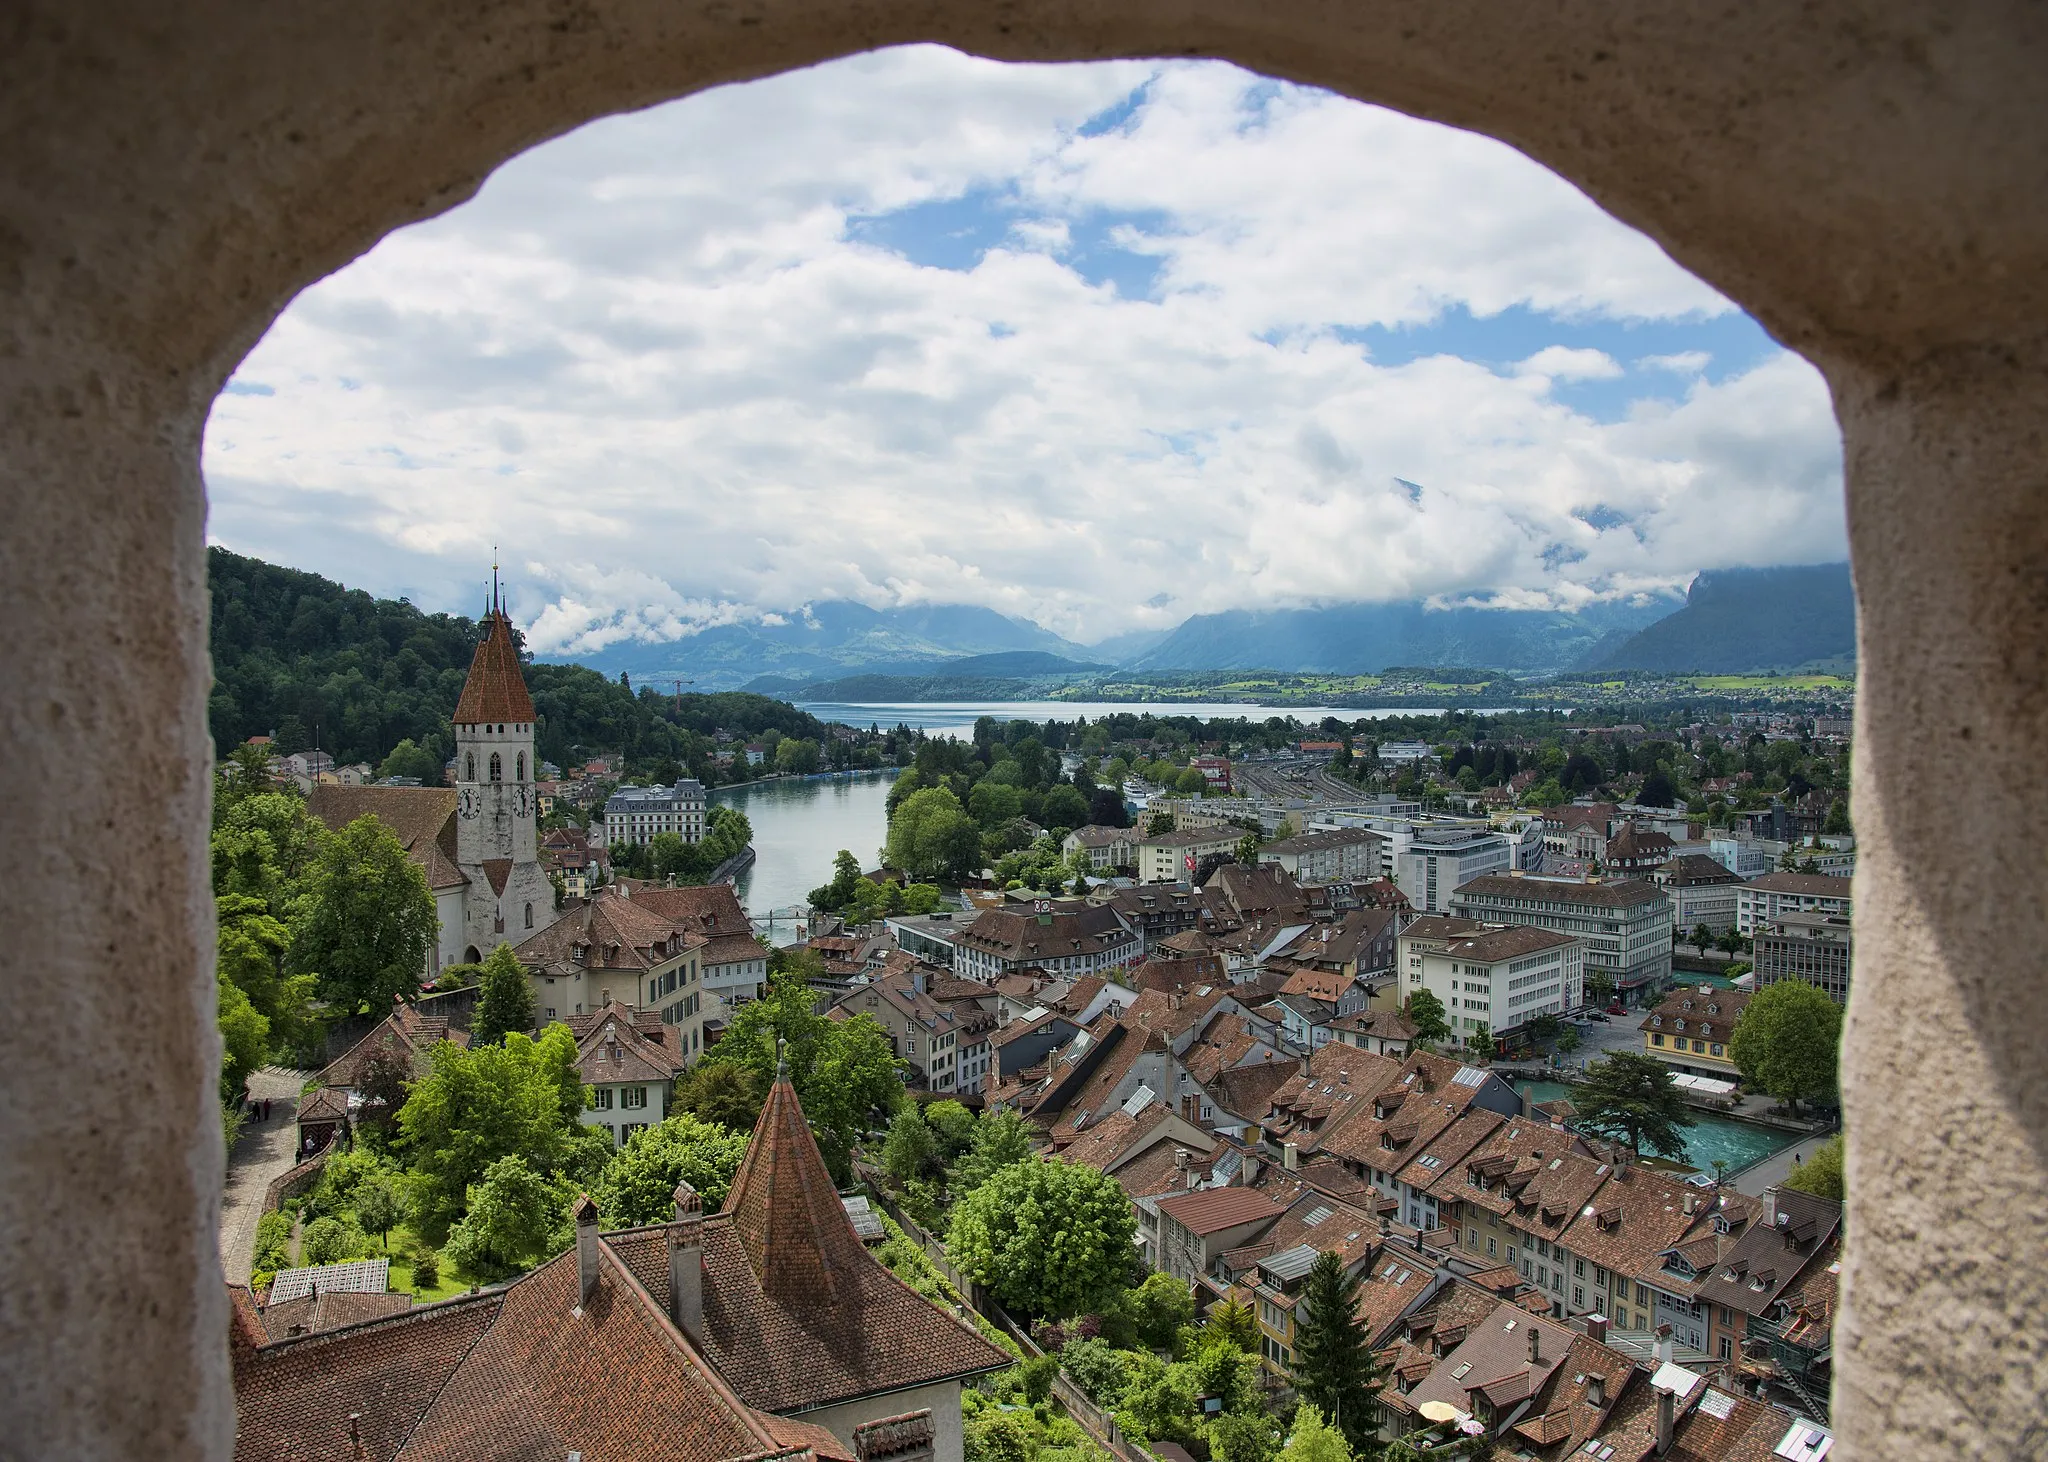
[
  {"x": 1777, "y": 1167},
  {"x": 264, "y": 1150}
]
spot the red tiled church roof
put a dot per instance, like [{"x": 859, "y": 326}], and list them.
[{"x": 496, "y": 688}]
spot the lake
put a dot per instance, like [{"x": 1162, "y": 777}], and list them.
[
  {"x": 1736, "y": 1143},
  {"x": 958, "y": 717},
  {"x": 799, "y": 826}
]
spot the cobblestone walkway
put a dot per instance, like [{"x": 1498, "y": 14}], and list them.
[{"x": 264, "y": 1150}]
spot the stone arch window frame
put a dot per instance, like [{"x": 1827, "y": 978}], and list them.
[
  {"x": 1907, "y": 388},
  {"x": 497, "y": 767},
  {"x": 469, "y": 766}
]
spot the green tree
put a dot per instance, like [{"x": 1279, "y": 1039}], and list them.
[
  {"x": 1479, "y": 1041},
  {"x": 380, "y": 1206},
  {"x": 798, "y": 758},
  {"x": 505, "y": 1003},
  {"x": 922, "y": 898},
  {"x": 953, "y": 1125},
  {"x": 1787, "y": 1042},
  {"x": 1333, "y": 1364},
  {"x": 244, "y": 1039},
  {"x": 1629, "y": 1096},
  {"x": 1567, "y": 1040},
  {"x": 843, "y": 1071},
  {"x": 1314, "y": 1439},
  {"x": 1426, "y": 1011},
  {"x": 1242, "y": 1436},
  {"x": 1248, "y": 850},
  {"x": 263, "y": 844},
  {"x": 993, "y": 803},
  {"x": 367, "y": 921},
  {"x": 1048, "y": 1238},
  {"x": 932, "y": 838},
  {"x": 1599, "y": 987},
  {"x": 1064, "y": 810},
  {"x": 1232, "y": 1322},
  {"x": 475, "y": 1106},
  {"x": 1000, "y": 1139},
  {"x": 1702, "y": 936},
  {"x": 722, "y": 1093},
  {"x": 1823, "y": 1173},
  {"x": 1837, "y": 818},
  {"x": 845, "y": 879},
  {"x": 332, "y": 1240},
  {"x": 639, "y": 1183},
  {"x": 910, "y": 1151},
  {"x": 1158, "y": 1308},
  {"x": 509, "y": 1220},
  {"x": 1657, "y": 790},
  {"x": 409, "y": 759}
]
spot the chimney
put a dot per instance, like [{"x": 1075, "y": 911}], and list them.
[
  {"x": 1666, "y": 1347},
  {"x": 686, "y": 1264},
  {"x": 1596, "y": 1328},
  {"x": 1252, "y": 1168},
  {"x": 585, "y": 1214},
  {"x": 1596, "y": 1390},
  {"x": 1304, "y": 1066},
  {"x": 1290, "y": 1157},
  {"x": 1690, "y": 1204},
  {"x": 1535, "y": 1342},
  {"x": 1181, "y": 1158},
  {"x": 1666, "y": 1407},
  {"x": 1770, "y": 1196}
]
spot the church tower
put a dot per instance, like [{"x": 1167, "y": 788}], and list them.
[{"x": 497, "y": 840}]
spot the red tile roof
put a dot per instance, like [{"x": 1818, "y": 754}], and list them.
[
  {"x": 496, "y": 688},
  {"x": 1211, "y": 1210}
]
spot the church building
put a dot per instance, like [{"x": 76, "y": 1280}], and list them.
[{"x": 478, "y": 842}]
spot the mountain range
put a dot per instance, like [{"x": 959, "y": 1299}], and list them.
[
  {"x": 1737, "y": 621},
  {"x": 1732, "y": 621}
]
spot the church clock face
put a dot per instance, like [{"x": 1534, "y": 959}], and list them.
[
  {"x": 466, "y": 803},
  {"x": 519, "y": 808}
]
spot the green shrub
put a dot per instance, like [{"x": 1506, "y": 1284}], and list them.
[
  {"x": 1098, "y": 1368},
  {"x": 1035, "y": 1377},
  {"x": 274, "y": 1241},
  {"x": 331, "y": 1240},
  {"x": 426, "y": 1269}
]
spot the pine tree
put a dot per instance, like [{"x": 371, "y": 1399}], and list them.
[
  {"x": 1333, "y": 1363},
  {"x": 505, "y": 1003}
]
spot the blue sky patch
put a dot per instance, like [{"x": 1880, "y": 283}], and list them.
[
  {"x": 248, "y": 388},
  {"x": 957, "y": 233}
]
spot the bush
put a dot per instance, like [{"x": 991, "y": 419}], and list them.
[
  {"x": 1099, "y": 1369},
  {"x": 1035, "y": 1377},
  {"x": 426, "y": 1269},
  {"x": 274, "y": 1241},
  {"x": 331, "y": 1240}
]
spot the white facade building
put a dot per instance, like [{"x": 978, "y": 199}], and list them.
[
  {"x": 1437, "y": 861},
  {"x": 1498, "y": 978},
  {"x": 636, "y": 815},
  {"x": 1767, "y": 899}
]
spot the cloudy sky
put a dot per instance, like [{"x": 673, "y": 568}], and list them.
[{"x": 1101, "y": 346}]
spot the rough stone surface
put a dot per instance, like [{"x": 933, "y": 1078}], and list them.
[{"x": 1869, "y": 179}]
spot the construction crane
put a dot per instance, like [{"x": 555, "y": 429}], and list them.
[{"x": 679, "y": 684}]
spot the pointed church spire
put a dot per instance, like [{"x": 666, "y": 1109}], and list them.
[
  {"x": 496, "y": 688},
  {"x": 786, "y": 1211}
]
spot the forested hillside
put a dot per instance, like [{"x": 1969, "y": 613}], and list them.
[
  {"x": 1739, "y": 621},
  {"x": 305, "y": 659}
]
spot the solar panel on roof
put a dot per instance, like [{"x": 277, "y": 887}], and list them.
[
  {"x": 1293, "y": 1264},
  {"x": 1320, "y": 1212},
  {"x": 1717, "y": 1404},
  {"x": 358, "y": 1276},
  {"x": 1468, "y": 1076}
]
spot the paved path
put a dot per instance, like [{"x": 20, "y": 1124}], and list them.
[
  {"x": 1777, "y": 1167},
  {"x": 264, "y": 1150}
]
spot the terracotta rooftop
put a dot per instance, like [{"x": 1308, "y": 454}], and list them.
[
  {"x": 1211, "y": 1210},
  {"x": 496, "y": 688},
  {"x": 421, "y": 818}
]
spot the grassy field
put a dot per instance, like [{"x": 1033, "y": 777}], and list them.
[{"x": 1738, "y": 683}]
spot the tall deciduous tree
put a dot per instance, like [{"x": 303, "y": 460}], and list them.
[
  {"x": 1048, "y": 1238},
  {"x": 251, "y": 945},
  {"x": 1788, "y": 1040},
  {"x": 1426, "y": 1010},
  {"x": 505, "y": 1000},
  {"x": 932, "y": 837},
  {"x": 1314, "y": 1439},
  {"x": 1822, "y": 1174},
  {"x": 1000, "y": 1138},
  {"x": 367, "y": 921},
  {"x": 639, "y": 1183},
  {"x": 1333, "y": 1363},
  {"x": 1630, "y": 1097},
  {"x": 475, "y": 1106},
  {"x": 843, "y": 1071},
  {"x": 721, "y": 1092},
  {"x": 509, "y": 1219}
]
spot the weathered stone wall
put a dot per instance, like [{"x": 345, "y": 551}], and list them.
[{"x": 1870, "y": 179}]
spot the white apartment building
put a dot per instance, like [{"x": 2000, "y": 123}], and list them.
[
  {"x": 1107, "y": 847},
  {"x": 634, "y": 815},
  {"x": 1403, "y": 753},
  {"x": 1499, "y": 978},
  {"x": 1625, "y": 923},
  {"x": 1439, "y": 861},
  {"x": 1701, "y": 891},
  {"x": 1327, "y": 857},
  {"x": 1173, "y": 857},
  {"x": 1767, "y": 899}
]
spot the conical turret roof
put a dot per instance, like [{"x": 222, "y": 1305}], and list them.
[
  {"x": 496, "y": 688},
  {"x": 786, "y": 1212}
]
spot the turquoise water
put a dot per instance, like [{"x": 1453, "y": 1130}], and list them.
[
  {"x": 798, "y": 826},
  {"x": 1736, "y": 1143}
]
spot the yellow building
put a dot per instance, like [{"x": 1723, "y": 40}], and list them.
[{"x": 1690, "y": 1030}]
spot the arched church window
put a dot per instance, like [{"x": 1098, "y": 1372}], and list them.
[
  {"x": 529, "y": 916},
  {"x": 522, "y": 767},
  {"x": 469, "y": 767},
  {"x": 497, "y": 767}
]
